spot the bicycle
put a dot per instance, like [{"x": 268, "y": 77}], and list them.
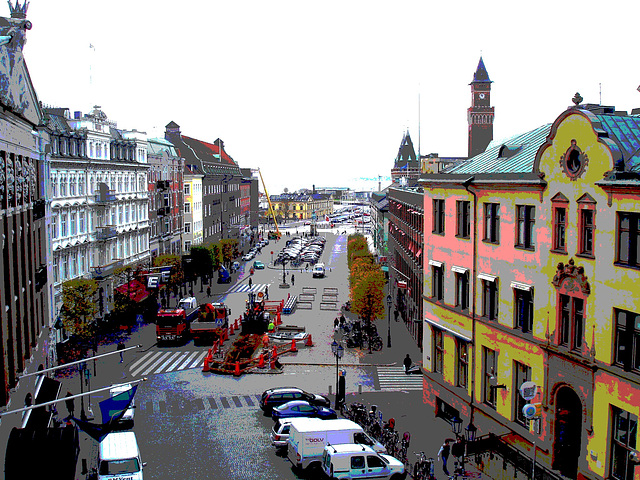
[{"x": 404, "y": 447}]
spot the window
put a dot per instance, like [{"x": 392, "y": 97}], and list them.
[
  {"x": 438, "y": 217},
  {"x": 526, "y": 219},
  {"x": 523, "y": 374},
  {"x": 54, "y": 227},
  {"x": 523, "y": 310},
  {"x": 187, "y": 227},
  {"x": 462, "y": 370},
  {"x": 628, "y": 239},
  {"x": 492, "y": 222},
  {"x": 63, "y": 225},
  {"x": 187, "y": 189},
  {"x": 463, "y": 213},
  {"x": 462, "y": 291},
  {"x": 187, "y": 246},
  {"x": 560, "y": 229},
  {"x": 571, "y": 322},
  {"x": 489, "y": 368},
  {"x": 357, "y": 462},
  {"x": 438, "y": 350},
  {"x": 73, "y": 224},
  {"x": 586, "y": 232},
  {"x": 623, "y": 443},
  {"x": 438, "y": 283},
  {"x": 627, "y": 339},
  {"x": 489, "y": 299}
]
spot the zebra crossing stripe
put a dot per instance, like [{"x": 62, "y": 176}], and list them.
[
  {"x": 169, "y": 360},
  {"x": 246, "y": 288},
  {"x": 150, "y": 367},
  {"x": 188, "y": 360},
  {"x": 394, "y": 378},
  {"x": 145, "y": 364},
  {"x": 180, "y": 359},
  {"x": 140, "y": 360},
  {"x": 199, "y": 359}
]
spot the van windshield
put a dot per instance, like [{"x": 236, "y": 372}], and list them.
[{"x": 115, "y": 467}]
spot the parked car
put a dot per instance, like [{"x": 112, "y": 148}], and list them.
[
  {"x": 258, "y": 265},
  {"x": 247, "y": 256},
  {"x": 280, "y": 433},
  {"x": 301, "y": 408},
  {"x": 278, "y": 396}
]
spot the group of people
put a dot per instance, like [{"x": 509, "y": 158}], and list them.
[{"x": 456, "y": 450}]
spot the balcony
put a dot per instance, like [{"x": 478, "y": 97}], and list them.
[
  {"x": 104, "y": 198},
  {"x": 105, "y": 233}
]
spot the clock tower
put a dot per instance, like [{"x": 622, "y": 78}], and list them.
[{"x": 480, "y": 114}]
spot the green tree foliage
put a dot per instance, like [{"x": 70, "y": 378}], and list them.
[
  {"x": 216, "y": 255},
  {"x": 174, "y": 261},
  {"x": 201, "y": 258},
  {"x": 228, "y": 246},
  {"x": 356, "y": 247},
  {"x": 79, "y": 306}
]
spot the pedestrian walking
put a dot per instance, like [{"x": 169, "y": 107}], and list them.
[
  {"x": 208, "y": 291},
  {"x": 336, "y": 322},
  {"x": 457, "y": 451},
  {"x": 70, "y": 404},
  {"x": 407, "y": 364},
  {"x": 250, "y": 282},
  {"x": 443, "y": 455},
  {"x": 120, "y": 348},
  {"x": 293, "y": 279},
  {"x": 266, "y": 292}
]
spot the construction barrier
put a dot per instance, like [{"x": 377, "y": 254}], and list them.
[{"x": 290, "y": 304}]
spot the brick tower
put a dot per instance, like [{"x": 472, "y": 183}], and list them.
[{"x": 480, "y": 114}]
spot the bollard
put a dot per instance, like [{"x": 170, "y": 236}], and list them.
[
  {"x": 359, "y": 388},
  {"x": 237, "y": 370},
  {"x": 330, "y": 389},
  {"x": 293, "y": 345},
  {"x": 309, "y": 342}
]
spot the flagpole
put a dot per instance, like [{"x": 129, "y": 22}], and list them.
[{"x": 24, "y": 409}]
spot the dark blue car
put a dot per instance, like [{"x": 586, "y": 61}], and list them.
[{"x": 301, "y": 408}]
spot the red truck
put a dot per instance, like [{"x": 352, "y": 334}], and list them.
[
  {"x": 212, "y": 318},
  {"x": 173, "y": 324}
]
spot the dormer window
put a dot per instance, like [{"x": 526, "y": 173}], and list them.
[{"x": 508, "y": 152}]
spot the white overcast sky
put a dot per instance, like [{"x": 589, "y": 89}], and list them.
[{"x": 321, "y": 92}]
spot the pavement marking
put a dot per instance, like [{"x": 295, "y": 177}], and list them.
[
  {"x": 247, "y": 399},
  {"x": 142, "y": 359},
  {"x": 188, "y": 360},
  {"x": 212, "y": 402},
  {"x": 199, "y": 403},
  {"x": 163, "y": 406},
  {"x": 134, "y": 373},
  {"x": 246, "y": 288},
  {"x": 175, "y": 364},
  {"x": 199, "y": 359},
  {"x": 237, "y": 401},
  {"x": 224, "y": 402},
  {"x": 394, "y": 378},
  {"x": 150, "y": 366},
  {"x": 164, "y": 365}
]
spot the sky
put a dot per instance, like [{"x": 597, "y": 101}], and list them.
[{"x": 321, "y": 93}]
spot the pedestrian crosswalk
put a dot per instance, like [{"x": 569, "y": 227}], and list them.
[
  {"x": 154, "y": 362},
  {"x": 394, "y": 379},
  {"x": 246, "y": 288},
  {"x": 174, "y": 405}
]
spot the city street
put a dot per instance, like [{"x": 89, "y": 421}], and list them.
[{"x": 191, "y": 424}]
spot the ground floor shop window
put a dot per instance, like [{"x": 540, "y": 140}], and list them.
[{"x": 623, "y": 442}]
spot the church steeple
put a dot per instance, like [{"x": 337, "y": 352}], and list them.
[{"x": 480, "y": 114}]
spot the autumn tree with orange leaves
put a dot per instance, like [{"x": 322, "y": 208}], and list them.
[{"x": 366, "y": 280}]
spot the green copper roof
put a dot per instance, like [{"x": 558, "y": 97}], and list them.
[
  {"x": 513, "y": 155},
  {"x": 625, "y": 132}
]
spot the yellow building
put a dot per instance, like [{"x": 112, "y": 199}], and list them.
[
  {"x": 532, "y": 274},
  {"x": 302, "y": 206}
]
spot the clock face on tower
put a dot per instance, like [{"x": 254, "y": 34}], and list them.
[{"x": 481, "y": 96}]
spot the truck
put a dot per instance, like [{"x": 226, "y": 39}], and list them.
[
  {"x": 308, "y": 437},
  {"x": 212, "y": 318},
  {"x": 172, "y": 324}
]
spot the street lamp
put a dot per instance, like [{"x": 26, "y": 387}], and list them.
[
  {"x": 389, "y": 321},
  {"x": 338, "y": 351},
  {"x": 456, "y": 425},
  {"x": 470, "y": 432}
]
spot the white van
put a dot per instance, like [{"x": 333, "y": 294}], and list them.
[
  {"x": 119, "y": 457},
  {"x": 319, "y": 270},
  {"x": 308, "y": 437},
  {"x": 126, "y": 422},
  {"x": 349, "y": 461}
]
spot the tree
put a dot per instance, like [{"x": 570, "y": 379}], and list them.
[
  {"x": 201, "y": 258},
  {"x": 228, "y": 245},
  {"x": 367, "y": 294},
  {"x": 215, "y": 251},
  {"x": 177, "y": 274},
  {"x": 79, "y": 306}
]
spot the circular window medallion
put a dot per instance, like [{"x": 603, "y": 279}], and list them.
[{"x": 574, "y": 162}]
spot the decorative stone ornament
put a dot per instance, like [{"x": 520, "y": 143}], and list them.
[
  {"x": 571, "y": 278},
  {"x": 574, "y": 162}
]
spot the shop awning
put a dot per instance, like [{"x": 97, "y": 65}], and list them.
[{"x": 136, "y": 290}]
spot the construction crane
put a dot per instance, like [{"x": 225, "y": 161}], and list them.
[{"x": 271, "y": 212}]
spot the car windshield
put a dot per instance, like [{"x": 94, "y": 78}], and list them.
[{"x": 116, "y": 467}]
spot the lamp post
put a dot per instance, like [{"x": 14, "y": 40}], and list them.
[
  {"x": 338, "y": 351},
  {"x": 388, "y": 321},
  {"x": 456, "y": 425}
]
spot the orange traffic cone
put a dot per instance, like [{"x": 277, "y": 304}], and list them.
[
  {"x": 275, "y": 352},
  {"x": 293, "y": 345},
  {"x": 231, "y": 329},
  {"x": 237, "y": 320},
  {"x": 237, "y": 370},
  {"x": 261, "y": 361},
  {"x": 215, "y": 347},
  {"x": 278, "y": 319},
  {"x": 308, "y": 343},
  {"x": 205, "y": 367}
]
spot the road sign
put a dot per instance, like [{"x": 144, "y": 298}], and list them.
[
  {"x": 531, "y": 410},
  {"x": 528, "y": 390}
]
